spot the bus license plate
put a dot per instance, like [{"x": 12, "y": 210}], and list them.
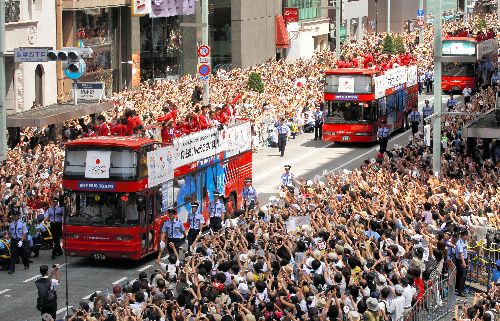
[
  {"x": 98, "y": 256},
  {"x": 346, "y": 137},
  {"x": 454, "y": 88}
]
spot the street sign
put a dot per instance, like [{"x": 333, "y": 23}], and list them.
[
  {"x": 30, "y": 54},
  {"x": 291, "y": 14},
  {"x": 76, "y": 75},
  {"x": 203, "y": 51},
  {"x": 90, "y": 90},
  {"x": 203, "y": 60},
  {"x": 343, "y": 32},
  {"x": 204, "y": 79},
  {"x": 420, "y": 23},
  {"x": 420, "y": 12},
  {"x": 204, "y": 70}
]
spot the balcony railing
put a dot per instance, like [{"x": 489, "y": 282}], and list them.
[{"x": 12, "y": 10}]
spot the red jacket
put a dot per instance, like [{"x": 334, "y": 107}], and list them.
[
  {"x": 103, "y": 130},
  {"x": 204, "y": 124}
]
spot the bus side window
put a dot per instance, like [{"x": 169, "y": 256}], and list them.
[
  {"x": 159, "y": 201},
  {"x": 143, "y": 161}
]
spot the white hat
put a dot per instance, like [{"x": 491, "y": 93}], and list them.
[
  {"x": 243, "y": 288},
  {"x": 309, "y": 182},
  {"x": 332, "y": 256},
  {"x": 243, "y": 257},
  {"x": 317, "y": 253}
]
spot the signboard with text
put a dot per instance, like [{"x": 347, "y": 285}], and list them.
[
  {"x": 291, "y": 14},
  {"x": 30, "y": 54},
  {"x": 90, "y": 90}
]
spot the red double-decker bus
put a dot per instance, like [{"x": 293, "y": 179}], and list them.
[
  {"x": 358, "y": 100},
  {"x": 473, "y": 64},
  {"x": 121, "y": 187}
]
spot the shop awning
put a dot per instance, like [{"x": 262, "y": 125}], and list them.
[{"x": 281, "y": 33}]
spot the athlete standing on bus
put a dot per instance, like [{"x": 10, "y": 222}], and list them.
[
  {"x": 318, "y": 123},
  {"x": 383, "y": 134},
  {"x": 283, "y": 133},
  {"x": 216, "y": 209},
  {"x": 414, "y": 117},
  {"x": 196, "y": 222},
  {"x": 174, "y": 230}
]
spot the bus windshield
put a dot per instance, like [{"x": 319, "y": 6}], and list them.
[
  {"x": 459, "y": 48},
  {"x": 348, "y": 111},
  {"x": 348, "y": 83},
  {"x": 123, "y": 163},
  {"x": 458, "y": 69},
  {"x": 105, "y": 209}
]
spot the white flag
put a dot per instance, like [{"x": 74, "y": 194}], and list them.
[
  {"x": 300, "y": 82},
  {"x": 141, "y": 7},
  {"x": 188, "y": 7},
  {"x": 346, "y": 85},
  {"x": 159, "y": 8},
  {"x": 97, "y": 164}
]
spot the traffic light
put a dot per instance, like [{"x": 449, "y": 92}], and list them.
[{"x": 72, "y": 58}]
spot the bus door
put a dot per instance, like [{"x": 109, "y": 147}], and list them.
[
  {"x": 141, "y": 200},
  {"x": 150, "y": 220}
]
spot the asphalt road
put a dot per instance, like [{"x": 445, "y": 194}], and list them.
[{"x": 307, "y": 157}]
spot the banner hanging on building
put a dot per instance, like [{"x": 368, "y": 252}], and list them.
[
  {"x": 168, "y": 8},
  {"x": 136, "y": 70}
]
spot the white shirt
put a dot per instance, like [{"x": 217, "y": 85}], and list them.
[
  {"x": 466, "y": 92},
  {"x": 396, "y": 308},
  {"x": 408, "y": 293}
]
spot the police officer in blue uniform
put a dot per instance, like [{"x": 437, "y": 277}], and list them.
[
  {"x": 283, "y": 133},
  {"x": 461, "y": 256},
  {"x": 216, "y": 209},
  {"x": 54, "y": 215},
  {"x": 249, "y": 195},
  {"x": 451, "y": 103},
  {"x": 174, "y": 230},
  {"x": 318, "y": 123},
  {"x": 196, "y": 223},
  {"x": 383, "y": 134},
  {"x": 287, "y": 180},
  {"x": 18, "y": 242},
  {"x": 427, "y": 110},
  {"x": 414, "y": 117}
]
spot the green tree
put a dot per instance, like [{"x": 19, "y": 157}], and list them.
[
  {"x": 255, "y": 82},
  {"x": 399, "y": 44},
  {"x": 388, "y": 45},
  {"x": 481, "y": 24}
]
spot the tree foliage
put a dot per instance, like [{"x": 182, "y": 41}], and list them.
[
  {"x": 399, "y": 44},
  {"x": 255, "y": 82},
  {"x": 389, "y": 45}
]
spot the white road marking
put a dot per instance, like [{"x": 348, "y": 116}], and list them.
[
  {"x": 145, "y": 268},
  {"x": 119, "y": 281},
  {"x": 88, "y": 296},
  {"x": 64, "y": 309},
  {"x": 3, "y": 291}
]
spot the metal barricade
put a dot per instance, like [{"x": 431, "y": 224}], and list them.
[
  {"x": 437, "y": 299},
  {"x": 479, "y": 272}
]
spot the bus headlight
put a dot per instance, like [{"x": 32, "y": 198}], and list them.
[
  {"x": 363, "y": 134},
  {"x": 329, "y": 133},
  {"x": 124, "y": 238},
  {"x": 72, "y": 236}
]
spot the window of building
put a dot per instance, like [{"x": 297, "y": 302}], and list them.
[
  {"x": 308, "y": 9},
  {"x": 38, "y": 5}
]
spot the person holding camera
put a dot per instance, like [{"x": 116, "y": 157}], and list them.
[
  {"x": 18, "y": 232},
  {"x": 47, "y": 296}
]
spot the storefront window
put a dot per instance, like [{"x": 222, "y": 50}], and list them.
[
  {"x": 160, "y": 47},
  {"x": 220, "y": 34},
  {"x": 308, "y": 9}
]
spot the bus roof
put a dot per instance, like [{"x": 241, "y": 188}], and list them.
[
  {"x": 120, "y": 141},
  {"x": 343, "y": 71},
  {"x": 460, "y": 39}
]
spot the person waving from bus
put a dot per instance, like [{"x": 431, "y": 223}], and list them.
[
  {"x": 216, "y": 209},
  {"x": 383, "y": 134},
  {"x": 174, "y": 230},
  {"x": 414, "y": 117}
]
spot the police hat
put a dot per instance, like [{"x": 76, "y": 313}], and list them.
[
  {"x": 171, "y": 211},
  {"x": 216, "y": 193},
  {"x": 382, "y": 122},
  {"x": 55, "y": 199},
  {"x": 464, "y": 232},
  {"x": 248, "y": 179},
  {"x": 195, "y": 203},
  {"x": 288, "y": 166}
]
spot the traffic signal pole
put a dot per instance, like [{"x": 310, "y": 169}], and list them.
[
  {"x": 204, "y": 19},
  {"x": 388, "y": 17},
  {"x": 436, "y": 146},
  {"x": 3, "y": 120},
  {"x": 421, "y": 29},
  {"x": 337, "y": 28}
]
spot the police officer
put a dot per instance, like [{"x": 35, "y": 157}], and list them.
[
  {"x": 451, "y": 103},
  {"x": 18, "y": 242},
  {"x": 283, "y": 133},
  {"x": 318, "y": 123},
  {"x": 216, "y": 209},
  {"x": 427, "y": 110},
  {"x": 287, "y": 180},
  {"x": 196, "y": 222},
  {"x": 174, "y": 230},
  {"x": 383, "y": 134},
  {"x": 414, "y": 117},
  {"x": 461, "y": 256},
  {"x": 54, "y": 215},
  {"x": 249, "y": 195},
  {"x": 47, "y": 297}
]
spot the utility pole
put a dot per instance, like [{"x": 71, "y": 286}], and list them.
[
  {"x": 3, "y": 121},
  {"x": 376, "y": 16},
  {"x": 204, "y": 19},
  {"x": 436, "y": 146},
  {"x": 59, "y": 45},
  {"x": 388, "y": 17},
  {"x": 421, "y": 29},
  {"x": 466, "y": 12},
  {"x": 337, "y": 28}
]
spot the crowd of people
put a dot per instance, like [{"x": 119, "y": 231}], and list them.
[{"x": 377, "y": 236}]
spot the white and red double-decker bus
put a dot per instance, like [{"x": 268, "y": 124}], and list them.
[
  {"x": 121, "y": 187},
  {"x": 358, "y": 100}
]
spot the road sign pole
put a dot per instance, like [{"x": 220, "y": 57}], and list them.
[
  {"x": 388, "y": 17},
  {"x": 338, "y": 4},
  {"x": 204, "y": 19},
  {"x": 466, "y": 13},
  {"x": 436, "y": 145},
  {"x": 421, "y": 28},
  {"x": 3, "y": 121}
]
